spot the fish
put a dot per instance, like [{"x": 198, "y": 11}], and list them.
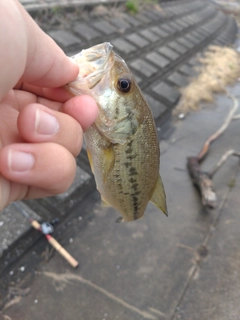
[{"x": 122, "y": 145}]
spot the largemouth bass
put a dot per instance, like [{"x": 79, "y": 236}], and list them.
[{"x": 122, "y": 144}]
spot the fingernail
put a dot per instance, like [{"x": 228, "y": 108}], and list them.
[
  {"x": 45, "y": 123},
  {"x": 19, "y": 161}
]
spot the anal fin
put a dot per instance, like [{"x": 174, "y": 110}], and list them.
[{"x": 159, "y": 197}]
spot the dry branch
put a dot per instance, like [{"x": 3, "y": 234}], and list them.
[
  {"x": 203, "y": 180},
  {"x": 236, "y": 117},
  {"x": 201, "y": 155},
  {"x": 222, "y": 160}
]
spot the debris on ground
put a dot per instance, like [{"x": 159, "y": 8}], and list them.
[
  {"x": 203, "y": 180},
  {"x": 220, "y": 66}
]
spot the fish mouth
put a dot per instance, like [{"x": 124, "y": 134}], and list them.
[{"x": 94, "y": 63}]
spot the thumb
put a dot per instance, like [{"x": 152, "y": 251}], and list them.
[
  {"x": 28, "y": 54},
  {"x": 47, "y": 65}
]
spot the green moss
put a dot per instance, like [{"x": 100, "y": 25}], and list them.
[
  {"x": 133, "y": 6},
  {"x": 231, "y": 183}
]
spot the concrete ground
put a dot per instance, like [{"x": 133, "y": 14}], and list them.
[
  {"x": 160, "y": 45},
  {"x": 185, "y": 266}
]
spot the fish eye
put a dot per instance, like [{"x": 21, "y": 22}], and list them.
[{"x": 124, "y": 85}]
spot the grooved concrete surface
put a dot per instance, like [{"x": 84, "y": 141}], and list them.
[
  {"x": 32, "y": 5},
  {"x": 138, "y": 270}
]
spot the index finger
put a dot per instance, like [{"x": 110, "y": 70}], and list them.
[{"x": 60, "y": 94}]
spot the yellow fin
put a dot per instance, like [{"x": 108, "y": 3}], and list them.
[
  {"x": 108, "y": 161},
  {"x": 105, "y": 203},
  {"x": 159, "y": 197},
  {"x": 90, "y": 160}
]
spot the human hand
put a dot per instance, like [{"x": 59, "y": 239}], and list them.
[{"x": 41, "y": 125}]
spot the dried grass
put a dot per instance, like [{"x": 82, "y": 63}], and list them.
[{"x": 220, "y": 66}]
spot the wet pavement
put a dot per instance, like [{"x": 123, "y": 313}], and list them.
[{"x": 185, "y": 266}]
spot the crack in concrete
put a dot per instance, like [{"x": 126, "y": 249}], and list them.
[
  {"x": 196, "y": 266},
  {"x": 66, "y": 277}
]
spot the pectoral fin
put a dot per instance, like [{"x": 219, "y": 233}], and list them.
[
  {"x": 108, "y": 161},
  {"x": 159, "y": 197},
  {"x": 90, "y": 160}
]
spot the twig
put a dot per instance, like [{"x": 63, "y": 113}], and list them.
[
  {"x": 236, "y": 117},
  {"x": 222, "y": 160},
  {"x": 201, "y": 155},
  {"x": 203, "y": 180}
]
